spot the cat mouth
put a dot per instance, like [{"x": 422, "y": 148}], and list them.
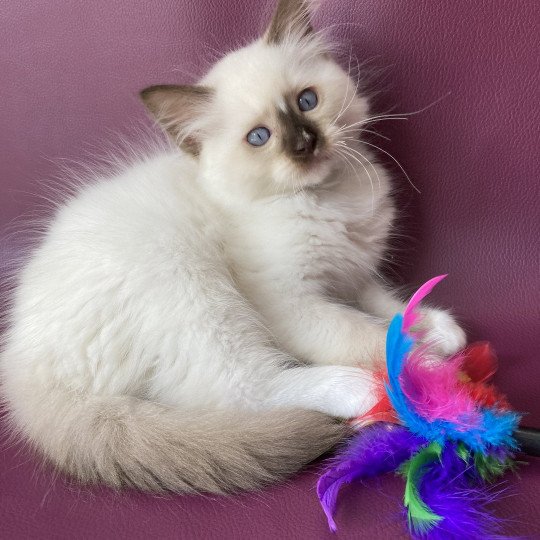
[{"x": 319, "y": 157}]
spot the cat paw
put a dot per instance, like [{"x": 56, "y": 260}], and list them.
[
  {"x": 348, "y": 392},
  {"x": 442, "y": 332}
]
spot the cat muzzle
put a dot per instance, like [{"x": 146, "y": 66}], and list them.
[{"x": 306, "y": 143}]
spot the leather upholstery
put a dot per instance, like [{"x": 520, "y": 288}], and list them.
[{"x": 71, "y": 71}]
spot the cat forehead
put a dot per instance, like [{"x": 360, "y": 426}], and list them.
[{"x": 259, "y": 72}]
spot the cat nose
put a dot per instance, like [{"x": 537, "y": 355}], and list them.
[{"x": 306, "y": 142}]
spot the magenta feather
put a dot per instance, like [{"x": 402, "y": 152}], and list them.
[
  {"x": 435, "y": 391},
  {"x": 411, "y": 315}
]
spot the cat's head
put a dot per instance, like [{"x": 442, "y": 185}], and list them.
[{"x": 268, "y": 119}]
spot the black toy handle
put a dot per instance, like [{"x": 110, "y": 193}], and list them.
[{"x": 528, "y": 440}]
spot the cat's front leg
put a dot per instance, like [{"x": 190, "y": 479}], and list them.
[
  {"x": 441, "y": 329},
  {"x": 340, "y": 391},
  {"x": 322, "y": 332}
]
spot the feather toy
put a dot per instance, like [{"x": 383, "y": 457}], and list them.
[{"x": 441, "y": 426}]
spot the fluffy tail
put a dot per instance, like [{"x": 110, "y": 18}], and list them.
[{"x": 124, "y": 441}]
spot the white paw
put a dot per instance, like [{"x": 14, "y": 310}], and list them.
[
  {"x": 443, "y": 332},
  {"x": 348, "y": 392}
]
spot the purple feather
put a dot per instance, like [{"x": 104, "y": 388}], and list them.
[
  {"x": 375, "y": 450},
  {"x": 451, "y": 489}
]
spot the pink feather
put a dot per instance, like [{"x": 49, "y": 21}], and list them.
[
  {"x": 436, "y": 392},
  {"x": 411, "y": 315},
  {"x": 435, "y": 389}
]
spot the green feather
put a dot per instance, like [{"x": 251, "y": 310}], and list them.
[
  {"x": 463, "y": 452},
  {"x": 421, "y": 518},
  {"x": 489, "y": 467}
]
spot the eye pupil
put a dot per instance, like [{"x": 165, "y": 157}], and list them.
[
  {"x": 258, "y": 136},
  {"x": 307, "y": 100}
]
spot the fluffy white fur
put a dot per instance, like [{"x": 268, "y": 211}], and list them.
[{"x": 233, "y": 280}]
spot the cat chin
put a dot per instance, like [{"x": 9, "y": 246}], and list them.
[
  {"x": 312, "y": 175},
  {"x": 317, "y": 174},
  {"x": 325, "y": 171}
]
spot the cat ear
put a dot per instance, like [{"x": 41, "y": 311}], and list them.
[
  {"x": 177, "y": 109},
  {"x": 290, "y": 17}
]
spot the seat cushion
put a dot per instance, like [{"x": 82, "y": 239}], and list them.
[
  {"x": 33, "y": 504},
  {"x": 71, "y": 72}
]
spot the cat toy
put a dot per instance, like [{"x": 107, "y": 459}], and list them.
[{"x": 442, "y": 426}]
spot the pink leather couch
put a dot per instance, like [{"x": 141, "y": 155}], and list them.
[{"x": 69, "y": 75}]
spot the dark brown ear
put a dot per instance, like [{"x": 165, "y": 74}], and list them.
[
  {"x": 177, "y": 108},
  {"x": 290, "y": 16}
]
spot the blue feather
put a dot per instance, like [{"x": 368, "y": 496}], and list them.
[{"x": 495, "y": 428}]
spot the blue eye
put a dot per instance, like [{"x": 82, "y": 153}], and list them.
[
  {"x": 258, "y": 136},
  {"x": 307, "y": 100}
]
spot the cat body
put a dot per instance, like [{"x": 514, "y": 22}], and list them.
[{"x": 199, "y": 319}]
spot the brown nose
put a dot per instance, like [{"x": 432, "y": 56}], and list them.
[{"x": 306, "y": 142}]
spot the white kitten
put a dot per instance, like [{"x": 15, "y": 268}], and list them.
[{"x": 198, "y": 320}]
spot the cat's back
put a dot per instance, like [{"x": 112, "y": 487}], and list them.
[
  {"x": 133, "y": 227},
  {"x": 116, "y": 257},
  {"x": 149, "y": 205},
  {"x": 154, "y": 193}
]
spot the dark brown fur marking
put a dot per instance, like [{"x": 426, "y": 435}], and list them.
[
  {"x": 292, "y": 124},
  {"x": 174, "y": 107}
]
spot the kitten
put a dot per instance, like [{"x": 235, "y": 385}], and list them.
[{"x": 201, "y": 320}]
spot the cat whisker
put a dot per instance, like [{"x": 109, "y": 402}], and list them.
[
  {"x": 338, "y": 116},
  {"x": 362, "y": 130},
  {"x": 398, "y": 116},
  {"x": 344, "y": 110},
  {"x": 344, "y": 152},
  {"x": 376, "y": 133},
  {"x": 351, "y": 101},
  {"x": 351, "y": 154},
  {"x": 354, "y": 150},
  {"x": 354, "y": 126},
  {"x": 428, "y": 106},
  {"x": 413, "y": 113},
  {"x": 396, "y": 162}
]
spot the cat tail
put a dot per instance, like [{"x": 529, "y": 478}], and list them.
[{"x": 123, "y": 441}]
